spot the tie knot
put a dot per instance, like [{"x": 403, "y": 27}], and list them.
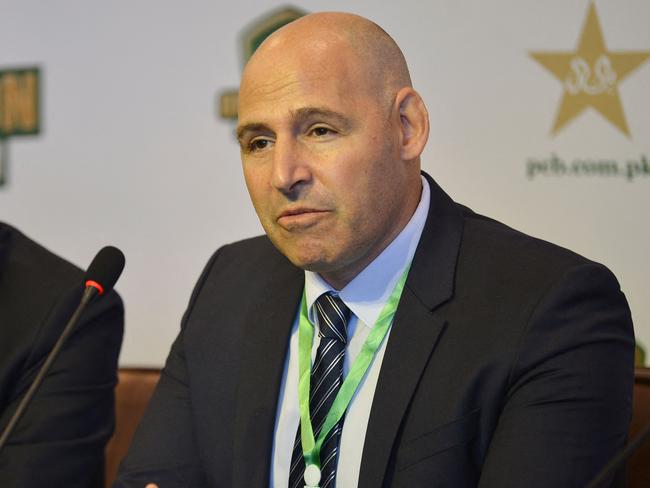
[{"x": 333, "y": 316}]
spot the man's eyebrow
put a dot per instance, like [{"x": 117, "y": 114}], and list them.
[
  {"x": 300, "y": 115},
  {"x": 252, "y": 127},
  {"x": 305, "y": 113}
]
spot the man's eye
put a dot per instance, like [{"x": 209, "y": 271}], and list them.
[
  {"x": 321, "y": 131},
  {"x": 258, "y": 144}
]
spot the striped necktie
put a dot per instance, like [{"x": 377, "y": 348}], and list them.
[{"x": 326, "y": 379}]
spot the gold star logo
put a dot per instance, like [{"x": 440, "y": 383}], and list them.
[{"x": 591, "y": 75}]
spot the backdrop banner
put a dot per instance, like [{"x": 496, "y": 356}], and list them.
[{"x": 540, "y": 118}]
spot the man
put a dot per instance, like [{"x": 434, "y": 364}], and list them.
[
  {"x": 507, "y": 363},
  {"x": 59, "y": 441}
]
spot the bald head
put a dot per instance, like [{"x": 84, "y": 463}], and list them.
[
  {"x": 331, "y": 133},
  {"x": 332, "y": 39}
]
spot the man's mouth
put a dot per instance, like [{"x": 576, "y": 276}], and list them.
[{"x": 300, "y": 217}]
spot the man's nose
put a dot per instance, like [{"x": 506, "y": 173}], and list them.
[{"x": 290, "y": 167}]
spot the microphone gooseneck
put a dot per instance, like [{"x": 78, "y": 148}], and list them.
[{"x": 102, "y": 274}]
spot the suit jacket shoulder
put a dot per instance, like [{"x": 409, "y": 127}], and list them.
[{"x": 504, "y": 351}]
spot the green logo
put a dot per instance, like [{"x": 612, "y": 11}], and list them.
[
  {"x": 19, "y": 109},
  {"x": 252, "y": 37}
]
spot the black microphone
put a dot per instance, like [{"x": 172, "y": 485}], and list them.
[
  {"x": 102, "y": 274},
  {"x": 104, "y": 270}
]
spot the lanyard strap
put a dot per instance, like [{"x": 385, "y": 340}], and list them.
[{"x": 311, "y": 447}]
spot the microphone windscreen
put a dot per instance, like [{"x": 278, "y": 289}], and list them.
[{"x": 106, "y": 267}]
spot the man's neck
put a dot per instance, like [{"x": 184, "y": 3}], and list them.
[{"x": 340, "y": 278}]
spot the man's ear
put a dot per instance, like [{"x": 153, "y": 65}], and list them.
[{"x": 414, "y": 123}]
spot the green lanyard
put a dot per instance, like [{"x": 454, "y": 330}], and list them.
[{"x": 311, "y": 447}]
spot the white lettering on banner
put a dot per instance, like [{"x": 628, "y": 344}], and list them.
[{"x": 583, "y": 79}]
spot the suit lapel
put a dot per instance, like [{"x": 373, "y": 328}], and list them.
[
  {"x": 267, "y": 337},
  {"x": 414, "y": 332}
]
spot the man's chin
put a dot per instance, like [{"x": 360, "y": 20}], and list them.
[
  {"x": 308, "y": 263},
  {"x": 306, "y": 255},
  {"x": 315, "y": 261}
]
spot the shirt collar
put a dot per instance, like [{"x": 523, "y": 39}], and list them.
[{"x": 367, "y": 293}]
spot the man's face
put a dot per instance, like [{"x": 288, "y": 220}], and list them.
[{"x": 320, "y": 159}]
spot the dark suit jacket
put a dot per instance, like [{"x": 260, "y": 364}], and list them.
[
  {"x": 509, "y": 364},
  {"x": 59, "y": 441}
]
